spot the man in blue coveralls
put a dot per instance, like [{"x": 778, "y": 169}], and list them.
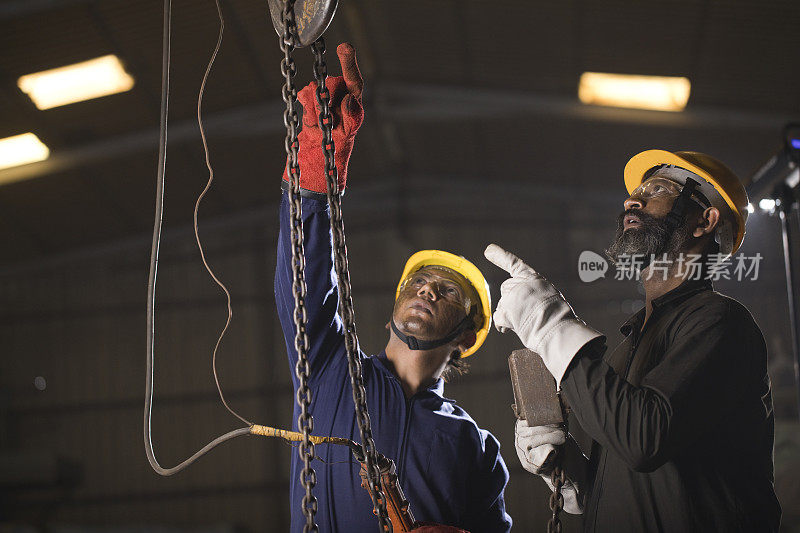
[{"x": 450, "y": 470}]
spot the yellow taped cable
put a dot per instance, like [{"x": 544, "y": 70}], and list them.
[{"x": 294, "y": 436}]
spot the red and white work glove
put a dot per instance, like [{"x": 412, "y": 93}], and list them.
[
  {"x": 537, "y": 447},
  {"x": 347, "y": 114},
  {"x": 532, "y": 307}
]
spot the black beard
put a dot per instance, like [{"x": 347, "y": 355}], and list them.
[{"x": 652, "y": 237}]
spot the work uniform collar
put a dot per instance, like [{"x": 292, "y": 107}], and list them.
[
  {"x": 436, "y": 390},
  {"x": 677, "y": 295}
]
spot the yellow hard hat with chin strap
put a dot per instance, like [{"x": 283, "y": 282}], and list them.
[
  {"x": 480, "y": 313},
  {"x": 717, "y": 183}
]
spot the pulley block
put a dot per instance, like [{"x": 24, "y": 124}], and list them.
[{"x": 312, "y": 18}]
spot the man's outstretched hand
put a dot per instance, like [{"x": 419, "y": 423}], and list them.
[
  {"x": 535, "y": 310},
  {"x": 347, "y": 114}
]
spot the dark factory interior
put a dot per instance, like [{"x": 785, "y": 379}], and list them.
[{"x": 474, "y": 133}]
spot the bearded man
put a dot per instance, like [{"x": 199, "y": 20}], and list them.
[{"x": 680, "y": 413}]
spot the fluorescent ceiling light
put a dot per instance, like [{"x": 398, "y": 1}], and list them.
[
  {"x": 22, "y": 149},
  {"x": 663, "y": 93},
  {"x": 767, "y": 204},
  {"x": 82, "y": 81}
]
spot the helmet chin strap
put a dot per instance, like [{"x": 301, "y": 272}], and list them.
[
  {"x": 415, "y": 344},
  {"x": 677, "y": 215}
]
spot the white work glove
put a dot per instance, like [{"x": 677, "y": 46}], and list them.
[
  {"x": 573, "y": 500},
  {"x": 534, "y": 309},
  {"x": 537, "y": 447}
]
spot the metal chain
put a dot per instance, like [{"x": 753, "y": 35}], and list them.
[
  {"x": 305, "y": 421},
  {"x": 557, "y": 478},
  {"x": 345, "y": 296}
]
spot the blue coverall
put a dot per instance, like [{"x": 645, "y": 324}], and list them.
[{"x": 450, "y": 470}]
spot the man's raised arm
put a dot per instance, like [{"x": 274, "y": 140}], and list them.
[{"x": 322, "y": 324}]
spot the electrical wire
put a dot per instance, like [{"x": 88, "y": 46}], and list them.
[
  {"x": 197, "y": 208},
  {"x": 151, "y": 282},
  {"x": 250, "y": 429}
]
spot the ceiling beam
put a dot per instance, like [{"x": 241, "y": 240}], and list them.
[
  {"x": 403, "y": 102},
  {"x": 19, "y": 8},
  {"x": 414, "y": 102},
  {"x": 376, "y": 197},
  {"x": 257, "y": 119}
]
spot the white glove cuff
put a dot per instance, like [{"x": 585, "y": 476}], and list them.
[
  {"x": 560, "y": 345},
  {"x": 572, "y": 499}
]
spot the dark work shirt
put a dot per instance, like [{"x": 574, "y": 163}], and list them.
[
  {"x": 681, "y": 418},
  {"x": 449, "y": 469}
]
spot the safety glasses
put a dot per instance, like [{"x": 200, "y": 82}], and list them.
[
  {"x": 662, "y": 187},
  {"x": 447, "y": 284}
]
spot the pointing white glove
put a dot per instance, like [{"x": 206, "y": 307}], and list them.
[
  {"x": 534, "y": 309},
  {"x": 536, "y": 449}
]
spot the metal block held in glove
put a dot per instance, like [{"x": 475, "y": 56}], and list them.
[{"x": 536, "y": 399}]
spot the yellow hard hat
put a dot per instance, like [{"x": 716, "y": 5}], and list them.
[
  {"x": 720, "y": 186},
  {"x": 471, "y": 273}
]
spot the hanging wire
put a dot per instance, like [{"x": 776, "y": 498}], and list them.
[
  {"x": 197, "y": 208},
  {"x": 251, "y": 429},
  {"x": 154, "y": 251}
]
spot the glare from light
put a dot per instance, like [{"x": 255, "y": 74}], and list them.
[
  {"x": 22, "y": 149},
  {"x": 662, "y": 93},
  {"x": 766, "y": 204},
  {"x": 74, "y": 83},
  {"x": 793, "y": 179},
  {"x": 750, "y": 208}
]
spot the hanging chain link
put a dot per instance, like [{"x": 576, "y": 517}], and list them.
[
  {"x": 558, "y": 476},
  {"x": 556, "y": 502},
  {"x": 345, "y": 296},
  {"x": 305, "y": 421}
]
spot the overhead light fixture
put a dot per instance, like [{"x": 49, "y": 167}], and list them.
[
  {"x": 662, "y": 93},
  {"x": 82, "y": 81},
  {"x": 767, "y": 204},
  {"x": 21, "y": 150}
]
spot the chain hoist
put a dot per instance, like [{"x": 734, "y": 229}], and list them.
[
  {"x": 305, "y": 421},
  {"x": 345, "y": 296},
  {"x": 289, "y": 38}
]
